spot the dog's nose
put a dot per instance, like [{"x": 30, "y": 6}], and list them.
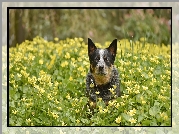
[{"x": 101, "y": 68}]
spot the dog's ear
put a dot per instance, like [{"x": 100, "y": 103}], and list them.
[
  {"x": 91, "y": 46},
  {"x": 113, "y": 47}
]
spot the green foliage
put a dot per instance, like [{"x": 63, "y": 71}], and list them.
[
  {"x": 98, "y": 24},
  {"x": 47, "y": 85},
  {"x": 147, "y": 23}
]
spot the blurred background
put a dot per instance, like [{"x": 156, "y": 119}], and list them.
[{"x": 100, "y": 25}]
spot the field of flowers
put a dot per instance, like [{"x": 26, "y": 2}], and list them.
[{"x": 47, "y": 85}]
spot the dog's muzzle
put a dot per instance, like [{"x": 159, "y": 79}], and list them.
[{"x": 101, "y": 69}]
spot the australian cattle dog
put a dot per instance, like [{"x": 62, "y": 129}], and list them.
[{"x": 102, "y": 81}]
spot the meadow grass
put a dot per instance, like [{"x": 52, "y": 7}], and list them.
[{"x": 47, "y": 85}]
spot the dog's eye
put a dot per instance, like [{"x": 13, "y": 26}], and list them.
[
  {"x": 105, "y": 58},
  {"x": 97, "y": 58}
]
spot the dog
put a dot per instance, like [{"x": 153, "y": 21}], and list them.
[{"x": 102, "y": 80}]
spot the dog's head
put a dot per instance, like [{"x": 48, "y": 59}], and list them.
[{"x": 101, "y": 60}]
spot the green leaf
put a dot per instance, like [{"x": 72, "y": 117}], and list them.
[
  {"x": 149, "y": 92},
  {"x": 37, "y": 120},
  {"x": 85, "y": 121},
  {"x": 153, "y": 123},
  {"x": 154, "y": 110},
  {"x": 146, "y": 122},
  {"x": 12, "y": 92},
  {"x": 72, "y": 119},
  {"x": 56, "y": 72},
  {"x": 156, "y": 103},
  {"x": 125, "y": 116},
  {"x": 140, "y": 118},
  {"x": 16, "y": 96},
  {"x": 25, "y": 89}
]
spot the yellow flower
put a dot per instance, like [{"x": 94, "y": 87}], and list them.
[
  {"x": 83, "y": 73},
  {"x": 132, "y": 120},
  {"x": 137, "y": 91},
  {"x": 14, "y": 111},
  {"x": 111, "y": 103},
  {"x": 67, "y": 55},
  {"x": 11, "y": 75},
  {"x": 153, "y": 80},
  {"x": 68, "y": 96},
  {"x": 135, "y": 58},
  {"x": 162, "y": 77},
  {"x": 127, "y": 63},
  {"x": 23, "y": 99},
  {"x": 56, "y": 83},
  {"x": 128, "y": 55},
  {"x": 59, "y": 108},
  {"x": 143, "y": 58},
  {"x": 41, "y": 61},
  {"x": 100, "y": 107},
  {"x": 165, "y": 117},
  {"x": 77, "y": 121},
  {"x": 73, "y": 59},
  {"x": 54, "y": 115},
  {"x": 128, "y": 83},
  {"x": 150, "y": 74},
  {"x": 28, "y": 120},
  {"x": 144, "y": 87},
  {"x": 136, "y": 86},
  {"x": 139, "y": 69},
  {"x": 143, "y": 39},
  {"x": 51, "y": 62},
  {"x": 63, "y": 64},
  {"x": 92, "y": 85},
  {"x": 105, "y": 110},
  {"x": 19, "y": 75},
  {"x": 129, "y": 90},
  {"x": 161, "y": 97},
  {"x": 97, "y": 92},
  {"x": 56, "y": 101},
  {"x": 91, "y": 103},
  {"x": 117, "y": 105},
  {"x": 118, "y": 120},
  {"x": 81, "y": 39},
  {"x": 100, "y": 99},
  {"x": 79, "y": 59},
  {"x": 41, "y": 90},
  {"x": 80, "y": 69},
  {"x": 49, "y": 96},
  {"x": 77, "y": 110},
  {"x": 151, "y": 68},
  {"x": 63, "y": 124},
  {"x": 32, "y": 80},
  {"x": 71, "y": 78},
  {"x": 101, "y": 111},
  {"x": 143, "y": 102},
  {"x": 114, "y": 86},
  {"x": 111, "y": 90},
  {"x": 56, "y": 39},
  {"x": 132, "y": 112},
  {"x": 125, "y": 96},
  {"x": 50, "y": 84},
  {"x": 31, "y": 57}
]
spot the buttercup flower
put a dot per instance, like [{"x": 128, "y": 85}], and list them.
[
  {"x": 132, "y": 120},
  {"x": 118, "y": 120}
]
